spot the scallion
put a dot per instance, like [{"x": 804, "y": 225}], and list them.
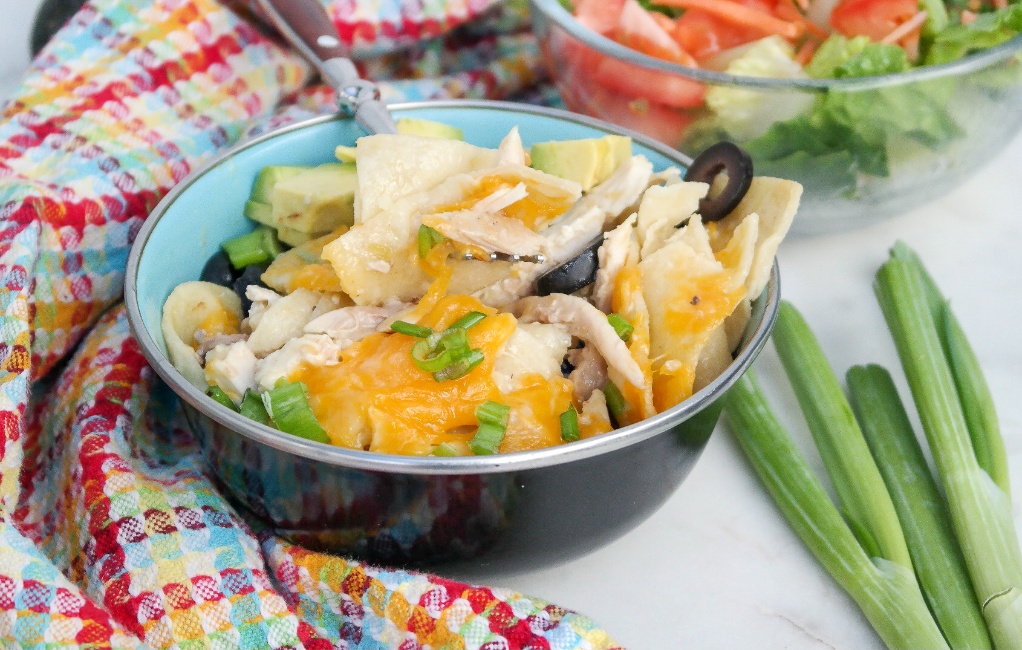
[
  {"x": 252, "y": 407},
  {"x": 418, "y": 331},
  {"x": 428, "y": 238},
  {"x": 444, "y": 449},
  {"x": 616, "y": 403},
  {"x": 493, "y": 418},
  {"x": 569, "y": 425},
  {"x": 623, "y": 328},
  {"x": 937, "y": 559},
  {"x": 980, "y": 511},
  {"x": 468, "y": 320},
  {"x": 288, "y": 405},
  {"x": 257, "y": 247},
  {"x": 460, "y": 367},
  {"x": 887, "y": 592},
  {"x": 221, "y": 397}
]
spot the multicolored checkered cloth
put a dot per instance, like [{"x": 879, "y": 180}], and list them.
[{"x": 110, "y": 534}]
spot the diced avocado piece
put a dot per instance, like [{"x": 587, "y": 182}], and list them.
[
  {"x": 317, "y": 200},
  {"x": 589, "y": 161},
  {"x": 615, "y": 149},
  {"x": 259, "y": 211},
  {"x": 270, "y": 176},
  {"x": 575, "y": 160},
  {"x": 296, "y": 237},
  {"x": 413, "y": 126}
]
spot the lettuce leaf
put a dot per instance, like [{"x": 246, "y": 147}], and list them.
[{"x": 988, "y": 30}]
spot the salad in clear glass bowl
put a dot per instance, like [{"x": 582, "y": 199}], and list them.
[{"x": 875, "y": 106}]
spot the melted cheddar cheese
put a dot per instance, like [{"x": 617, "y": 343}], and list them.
[
  {"x": 377, "y": 399},
  {"x": 535, "y": 210}
]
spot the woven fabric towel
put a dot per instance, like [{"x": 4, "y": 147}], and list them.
[{"x": 110, "y": 534}]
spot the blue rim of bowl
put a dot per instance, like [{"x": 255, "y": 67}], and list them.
[
  {"x": 423, "y": 465},
  {"x": 553, "y": 10}
]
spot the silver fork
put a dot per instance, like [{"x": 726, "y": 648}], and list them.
[{"x": 496, "y": 256}]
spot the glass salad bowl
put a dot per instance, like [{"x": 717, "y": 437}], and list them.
[
  {"x": 475, "y": 515},
  {"x": 864, "y": 148}
]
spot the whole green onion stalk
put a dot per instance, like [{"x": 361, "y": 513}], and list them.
[
  {"x": 979, "y": 509},
  {"x": 887, "y": 592}
]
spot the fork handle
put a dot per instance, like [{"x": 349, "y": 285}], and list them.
[{"x": 306, "y": 24}]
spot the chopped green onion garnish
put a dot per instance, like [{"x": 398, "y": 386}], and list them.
[
  {"x": 257, "y": 247},
  {"x": 418, "y": 331},
  {"x": 616, "y": 403},
  {"x": 461, "y": 367},
  {"x": 430, "y": 360},
  {"x": 623, "y": 328},
  {"x": 468, "y": 320},
  {"x": 444, "y": 449},
  {"x": 252, "y": 408},
  {"x": 428, "y": 238},
  {"x": 490, "y": 412},
  {"x": 492, "y": 417},
  {"x": 221, "y": 397},
  {"x": 569, "y": 425},
  {"x": 288, "y": 405}
]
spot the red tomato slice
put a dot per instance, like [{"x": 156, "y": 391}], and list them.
[
  {"x": 634, "y": 82},
  {"x": 873, "y": 18},
  {"x": 652, "y": 119},
  {"x": 639, "y": 30},
  {"x": 601, "y": 16},
  {"x": 703, "y": 35}
]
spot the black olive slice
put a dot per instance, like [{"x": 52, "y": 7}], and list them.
[
  {"x": 715, "y": 160},
  {"x": 218, "y": 270},
  {"x": 250, "y": 275},
  {"x": 578, "y": 272}
]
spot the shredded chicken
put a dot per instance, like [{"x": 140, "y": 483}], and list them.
[
  {"x": 590, "y": 373},
  {"x": 488, "y": 230},
  {"x": 205, "y": 342},
  {"x": 350, "y": 324},
  {"x": 232, "y": 368},
  {"x": 261, "y": 298},
  {"x": 612, "y": 254},
  {"x": 313, "y": 349},
  {"x": 511, "y": 150},
  {"x": 585, "y": 322},
  {"x": 571, "y": 233}
]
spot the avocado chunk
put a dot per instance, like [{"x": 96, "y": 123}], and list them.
[
  {"x": 317, "y": 200},
  {"x": 414, "y": 126},
  {"x": 588, "y": 161},
  {"x": 258, "y": 207}
]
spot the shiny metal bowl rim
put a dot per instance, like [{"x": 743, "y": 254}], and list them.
[
  {"x": 426, "y": 465},
  {"x": 552, "y": 10}
]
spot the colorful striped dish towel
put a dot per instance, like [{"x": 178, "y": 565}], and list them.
[{"x": 110, "y": 534}]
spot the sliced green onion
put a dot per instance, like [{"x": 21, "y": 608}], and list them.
[
  {"x": 936, "y": 556},
  {"x": 569, "y": 425},
  {"x": 428, "y": 238},
  {"x": 418, "y": 331},
  {"x": 461, "y": 367},
  {"x": 886, "y": 592},
  {"x": 853, "y": 472},
  {"x": 444, "y": 449},
  {"x": 623, "y": 328},
  {"x": 980, "y": 511},
  {"x": 440, "y": 350},
  {"x": 252, "y": 408},
  {"x": 616, "y": 403},
  {"x": 468, "y": 320},
  {"x": 221, "y": 397},
  {"x": 288, "y": 406},
  {"x": 490, "y": 412},
  {"x": 493, "y": 418},
  {"x": 257, "y": 247}
]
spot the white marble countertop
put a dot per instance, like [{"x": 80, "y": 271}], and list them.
[{"x": 717, "y": 566}]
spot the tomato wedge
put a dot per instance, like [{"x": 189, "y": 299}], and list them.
[
  {"x": 601, "y": 16},
  {"x": 703, "y": 35},
  {"x": 662, "y": 87},
  {"x": 873, "y": 18},
  {"x": 639, "y": 30},
  {"x": 652, "y": 119}
]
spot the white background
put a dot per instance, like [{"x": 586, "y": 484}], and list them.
[{"x": 718, "y": 567}]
